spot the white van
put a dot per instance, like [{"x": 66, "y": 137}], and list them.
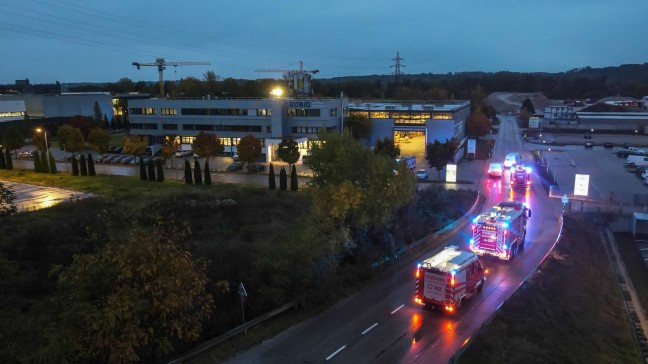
[
  {"x": 636, "y": 161},
  {"x": 512, "y": 159}
]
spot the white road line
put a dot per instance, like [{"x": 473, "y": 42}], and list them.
[
  {"x": 367, "y": 330},
  {"x": 399, "y": 307},
  {"x": 643, "y": 249},
  {"x": 335, "y": 353}
]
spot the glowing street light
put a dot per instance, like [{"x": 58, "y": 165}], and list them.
[{"x": 276, "y": 92}]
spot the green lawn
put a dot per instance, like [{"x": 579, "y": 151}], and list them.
[{"x": 571, "y": 312}]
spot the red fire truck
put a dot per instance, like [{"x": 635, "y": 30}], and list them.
[
  {"x": 501, "y": 230},
  {"x": 448, "y": 278},
  {"x": 521, "y": 177}
]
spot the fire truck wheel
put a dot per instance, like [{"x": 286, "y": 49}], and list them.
[
  {"x": 514, "y": 250},
  {"x": 481, "y": 286}
]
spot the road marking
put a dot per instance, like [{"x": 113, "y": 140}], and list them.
[
  {"x": 643, "y": 249},
  {"x": 399, "y": 307},
  {"x": 335, "y": 353},
  {"x": 367, "y": 330}
]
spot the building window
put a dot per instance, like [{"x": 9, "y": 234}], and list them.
[
  {"x": 136, "y": 111},
  {"x": 136, "y": 126},
  {"x": 187, "y": 127},
  {"x": 194, "y": 111},
  {"x": 169, "y": 111},
  {"x": 359, "y": 113},
  {"x": 149, "y": 111},
  {"x": 11, "y": 114},
  {"x": 204, "y": 127},
  {"x": 268, "y": 129},
  {"x": 305, "y": 130},
  {"x": 380, "y": 115},
  {"x": 264, "y": 112},
  {"x": 442, "y": 116},
  {"x": 311, "y": 113},
  {"x": 333, "y": 112},
  {"x": 149, "y": 126},
  {"x": 409, "y": 122},
  {"x": 169, "y": 126}
]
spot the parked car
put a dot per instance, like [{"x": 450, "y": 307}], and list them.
[
  {"x": 589, "y": 144},
  {"x": 76, "y": 156},
  {"x": 26, "y": 154},
  {"x": 641, "y": 170},
  {"x": 256, "y": 167},
  {"x": 108, "y": 158},
  {"x": 116, "y": 149},
  {"x": 184, "y": 153},
  {"x": 127, "y": 160},
  {"x": 120, "y": 158},
  {"x": 422, "y": 174},
  {"x": 588, "y": 135},
  {"x": 235, "y": 157},
  {"x": 236, "y": 166},
  {"x": 608, "y": 145}
]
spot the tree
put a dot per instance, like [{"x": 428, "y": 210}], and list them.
[
  {"x": 283, "y": 179},
  {"x": 272, "y": 184},
  {"x": 188, "y": 178},
  {"x": 360, "y": 126},
  {"x": 3, "y": 162},
  {"x": 70, "y": 138},
  {"x": 478, "y": 124},
  {"x": 210, "y": 82},
  {"x": 438, "y": 155},
  {"x": 82, "y": 165},
  {"x": 477, "y": 96},
  {"x": 135, "y": 144},
  {"x": 208, "y": 180},
  {"x": 130, "y": 301},
  {"x": 142, "y": 168},
  {"x": 207, "y": 145},
  {"x": 75, "y": 167},
  {"x": 37, "y": 163},
  {"x": 288, "y": 151},
  {"x": 99, "y": 139},
  {"x": 387, "y": 147},
  {"x": 151, "y": 170},
  {"x": 83, "y": 123},
  {"x": 44, "y": 162},
  {"x": 8, "y": 159},
  {"x": 12, "y": 139},
  {"x": 7, "y": 201},
  {"x": 91, "y": 166},
  {"x": 249, "y": 149},
  {"x": 96, "y": 111},
  {"x": 197, "y": 173},
  {"x": 528, "y": 106},
  {"x": 106, "y": 124},
  {"x": 52, "y": 163},
  {"x": 523, "y": 118},
  {"x": 169, "y": 147},
  {"x": 293, "y": 179},
  {"x": 160, "y": 170}
]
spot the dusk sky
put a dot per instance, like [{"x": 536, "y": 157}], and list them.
[{"x": 96, "y": 41}]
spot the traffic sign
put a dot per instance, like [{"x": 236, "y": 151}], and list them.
[
  {"x": 565, "y": 200},
  {"x": 241, "y": 290}
]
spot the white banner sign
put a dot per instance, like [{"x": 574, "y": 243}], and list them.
[
  {"x": 472, "y": 143},
  {"x": 451, "y": 173},
  {"x": 581, "y": 185}
]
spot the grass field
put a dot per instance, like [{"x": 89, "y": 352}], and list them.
[
  {"x": 634, "y": 264},
  {"x": 571, "y": 312}
]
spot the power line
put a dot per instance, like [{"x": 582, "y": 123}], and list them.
[{"x": 397, "y": 67}]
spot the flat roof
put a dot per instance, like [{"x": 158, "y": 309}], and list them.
[
  {"x": 448, "y": 259},
  {"x": 442, "y": 106}
]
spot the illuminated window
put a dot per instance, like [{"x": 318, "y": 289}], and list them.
[
  {"x": 169, "y": 111},
  {"x": 380, "y": 114},
  {"x": 409, "y": 121},
  {"x": 359, "y": 113},
  {"x": 11, "y": 114},
  {"x": 148, "y": 111},
  {"x": 442, "y": 116},
  {"x": 264, "y": 112}
]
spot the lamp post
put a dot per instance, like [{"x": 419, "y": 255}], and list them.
[{"x": 46, "y": 147}]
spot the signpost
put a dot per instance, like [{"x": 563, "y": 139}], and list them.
[
  {"x": 243, "y": 293},
  {"x": 451, "y": 173},
  {"x": 472, "y": 146},
  {"x": 581, "y": 185},
  {"x": 565, "y": 201}
]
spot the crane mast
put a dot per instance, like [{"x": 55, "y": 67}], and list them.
[{"x": 161, "y": 65}]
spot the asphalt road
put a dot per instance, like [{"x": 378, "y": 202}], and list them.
[{"x": 381, "y": 324}]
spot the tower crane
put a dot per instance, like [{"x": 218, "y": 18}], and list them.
[
  {"x": 300, "y": 78},
  {"x": 161, "y": 65}
]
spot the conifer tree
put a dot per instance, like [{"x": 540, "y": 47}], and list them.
[
  {"x": 44, "y": 162},
  {"x": 283, "y": 179},
  {"x": 160, "y": 170},
  {"x": 197, "y": 172},
  {"x": 75, "y": 167},
  {"x": 188, "y": 178},
  {"x": 3, "y": 163},
  {"x": 142, "y": 169},
  {"x": 8, "y": 159},
  {"x": 207, "y": 173},
  {"x": 272, "y": 184},
  {"x": 293, "y": 179},
  {"x": 52, "y": 163},
  {"x": 151, "y": 170},
  {"x": 91, "y": 166},
  {"x": 37, "y": 163},
  {"x": 83, "y": 166}
]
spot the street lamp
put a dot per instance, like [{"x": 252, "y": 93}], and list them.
[{"x": 46, "y": 145}]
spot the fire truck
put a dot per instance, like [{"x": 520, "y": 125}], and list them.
[
  {"x": 448, "y": 278},
  {"x": 521, "y": 177},
  {"x": 501, "y": 230}
]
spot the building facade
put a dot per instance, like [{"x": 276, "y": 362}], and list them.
[
  {"x": 436, "y": 120},
  {"x": 267, "y": 119}
]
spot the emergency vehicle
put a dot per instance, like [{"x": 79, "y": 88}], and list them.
[
  {"x": 448, "y": 278},
  {"x": 501, "y": 230},
  {"x": 520, "y": 177}
]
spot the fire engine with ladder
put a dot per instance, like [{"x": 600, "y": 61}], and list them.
[
  {"x": 448, "y": 278},
  {"x": 501, "y": 230}
]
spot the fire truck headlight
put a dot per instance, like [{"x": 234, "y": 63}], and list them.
[{"x": 505, "y": 246}]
